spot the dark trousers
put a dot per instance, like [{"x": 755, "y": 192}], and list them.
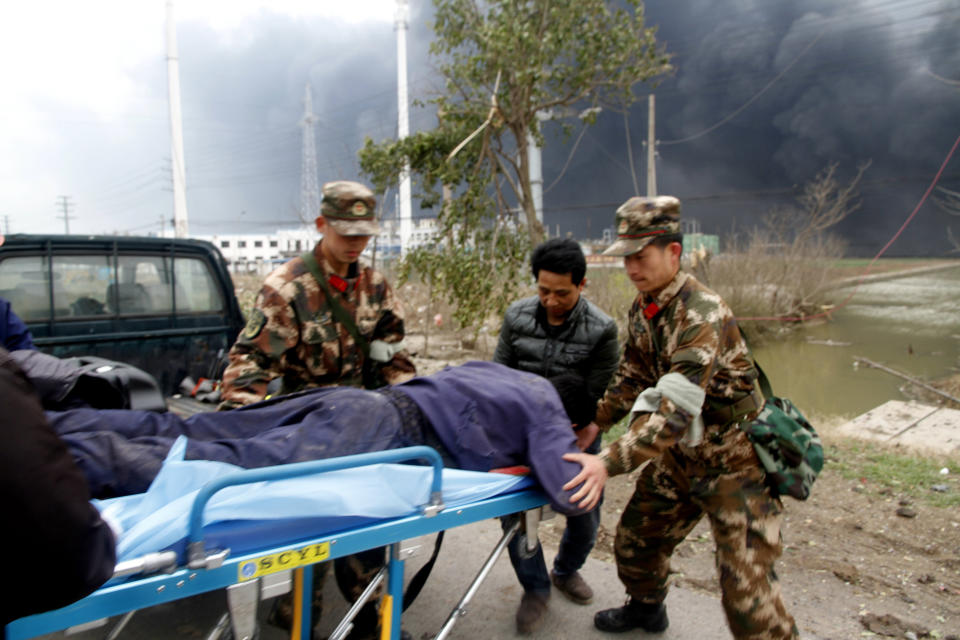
[
  {"x": 578, "y": 539},
  {"x": 121, "y": 452}
]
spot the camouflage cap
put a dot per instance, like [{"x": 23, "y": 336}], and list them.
[
  {"x": 350, "y": 208},
  {"x": 640, "y": 220}
]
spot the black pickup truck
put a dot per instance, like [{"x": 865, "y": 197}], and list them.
[{"x": 164, "y": 305}]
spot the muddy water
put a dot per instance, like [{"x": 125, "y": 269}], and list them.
[{"x": 909, "y": 324}]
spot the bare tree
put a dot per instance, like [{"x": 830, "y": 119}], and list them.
[
  {"x": 949, "y": 201},
  {"x": 784, "y": 269},
  {"x": 825, "y": 202},
  {"x": 822, "y": 204}
]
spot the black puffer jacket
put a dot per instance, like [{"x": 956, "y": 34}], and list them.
[
  {"x": 57, "y": 547},
  {"x": 586, "y": 343}
]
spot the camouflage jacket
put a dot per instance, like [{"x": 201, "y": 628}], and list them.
[
  {"x": 687, "y": 329},
  {"x": 292, "y": 334}
]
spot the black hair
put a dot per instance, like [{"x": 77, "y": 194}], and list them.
[
  {"x": 559, "y": 255},
  {"x": 581, "y": 407},
  {"x": 662, "y": 241}
]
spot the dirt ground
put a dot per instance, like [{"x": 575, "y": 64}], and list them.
[{"x": 852, "y": 566}]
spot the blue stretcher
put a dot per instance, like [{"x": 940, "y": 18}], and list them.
[{"x": 274, "y": 557}]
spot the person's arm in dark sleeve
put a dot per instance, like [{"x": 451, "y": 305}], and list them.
[
  {"x": 57, "y": 546},
  {"x": 549, "y": 437},
  {"x": 16, "y": 336},
  {"x": 603, "y": 361},
  {"x": 505, "y": 353}
]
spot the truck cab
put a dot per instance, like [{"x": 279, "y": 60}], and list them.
[{"x": 164, "y": 305}]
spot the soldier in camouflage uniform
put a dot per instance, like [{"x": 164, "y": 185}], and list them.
[
  {"x": 687, "y": 378},
  {"x": 295, "y": 335}
]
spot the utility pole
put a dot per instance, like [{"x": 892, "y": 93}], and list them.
[
  {"x": 535, "y": 154},
  {"x": 309, "y": 184},
  {"x": 63, "y": 202},
  {"x": 405, "y": 210},
  {"x": 6, "y": 224},
  {"x": 176, "y": 129},
  {"x": 651, "y": 149},
  {"x": 535, "y": 168}
]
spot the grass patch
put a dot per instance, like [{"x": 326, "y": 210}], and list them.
[{"x": 882, "y": 470}]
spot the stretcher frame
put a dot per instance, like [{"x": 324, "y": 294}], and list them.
[{"x": 246, "y": 585}]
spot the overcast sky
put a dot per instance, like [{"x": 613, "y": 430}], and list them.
[{"x": 766, "y": 93}]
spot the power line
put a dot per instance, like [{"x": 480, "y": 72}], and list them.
[
  {"x": 573, "y": 150},
  {"x": 746, "y": 39},
  {"x": 747, "y": 35},
  {"x": 754, "y": 194},
  {"x": 725, "y": 83},
  {"x": 746, "y": 104}
]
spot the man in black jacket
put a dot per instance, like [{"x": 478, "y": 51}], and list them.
[
  {"x": 57, "y": 547},
  {"x": 554, "y": 332}
]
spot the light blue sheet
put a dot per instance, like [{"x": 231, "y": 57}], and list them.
[{"x": 332, "y": 501}]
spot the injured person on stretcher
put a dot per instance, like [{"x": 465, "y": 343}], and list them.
[{"x": 480, "y": 416}]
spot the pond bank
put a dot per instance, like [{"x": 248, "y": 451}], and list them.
[
  {"x": 892, "y": 275},
  {"x": 910, "y": 324}
]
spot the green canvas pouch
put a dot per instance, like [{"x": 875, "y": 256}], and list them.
[{"x": 788, "y": 446}]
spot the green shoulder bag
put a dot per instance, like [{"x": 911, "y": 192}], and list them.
[{"x": 786, "y": 443}]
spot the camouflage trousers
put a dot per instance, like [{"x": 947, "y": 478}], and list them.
[
  {"x": 721, "y": 478},
  {"x": 353, "y": 574}
]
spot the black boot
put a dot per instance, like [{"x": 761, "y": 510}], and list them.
[{"x": 632, "y": 615}]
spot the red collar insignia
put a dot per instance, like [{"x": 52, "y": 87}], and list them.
[
  {"x": 651, "y": 310},
  {"x": 338, "y": 283}
]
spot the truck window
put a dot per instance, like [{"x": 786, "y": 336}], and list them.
[
  {"x": 143, "y": 286},
  {"x": 80, "y": 285},
  {"x": 25, "y": 284},
  {"x": 196, "y": 288},
  {"x": 86, "y": 286}
]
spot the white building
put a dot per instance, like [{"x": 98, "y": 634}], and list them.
[
  {"x": 263, "y": 252},
  {"x": 388, "y": 242}
]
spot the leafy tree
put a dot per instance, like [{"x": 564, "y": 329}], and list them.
[{"x": 506, "y": 64}]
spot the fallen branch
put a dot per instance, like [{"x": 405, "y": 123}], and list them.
[
  {"x": 494, "y": 108},
  {"x": 914, "y": 423},
  {"x": 910, "y": 379}
]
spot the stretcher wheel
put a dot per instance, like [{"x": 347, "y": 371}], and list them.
[{"x": 523, "y": 550}]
